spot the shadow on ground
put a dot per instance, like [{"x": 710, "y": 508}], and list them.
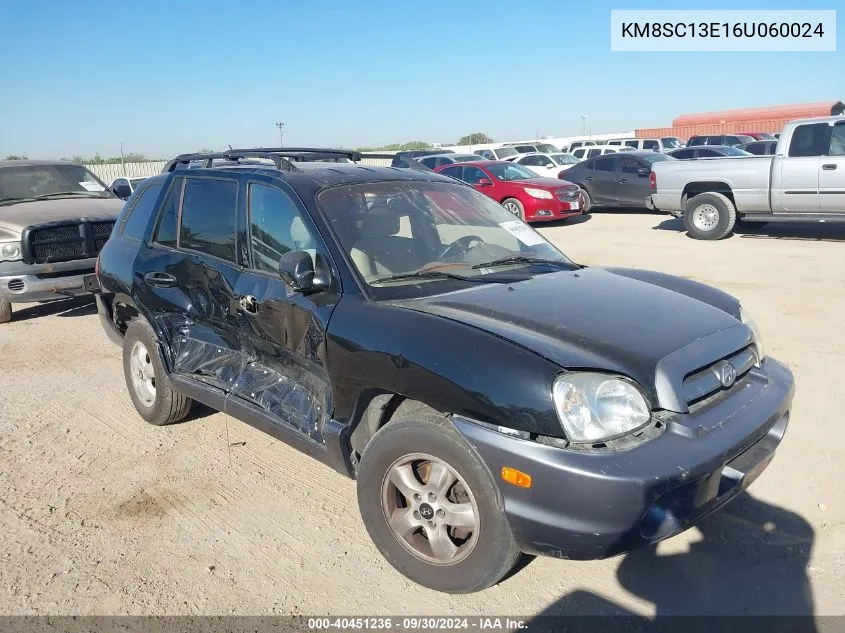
[
  {"x": 78, "y": 306},
  {"x": 752, "y": 560},
  {"x": 803, "y": 231}
]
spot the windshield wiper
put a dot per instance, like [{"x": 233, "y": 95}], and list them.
[
  {"x": 519, "y": 259},
  {"x": 423, "y": 274},
  {"x": 91, "y": 194}
]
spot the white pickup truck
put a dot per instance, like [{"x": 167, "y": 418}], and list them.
[{"x": 803, "y": 182}]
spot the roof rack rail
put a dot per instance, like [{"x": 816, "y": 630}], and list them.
[{"x": 283, "y": 157}]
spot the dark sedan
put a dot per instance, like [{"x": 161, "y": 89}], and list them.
[
  {"x": 760, "y": 148},
  {"x": 616, "y": 180},
  {"x": 707, "y": 151}
]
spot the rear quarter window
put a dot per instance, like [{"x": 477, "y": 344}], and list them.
[{"x": 135, "y": 225}]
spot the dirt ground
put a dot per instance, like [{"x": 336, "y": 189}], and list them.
[{"x": 101, "y": 513}]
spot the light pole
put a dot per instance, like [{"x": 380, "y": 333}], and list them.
[
  {"x": 122, "y": 162},
  {"x": 583, "y": 124},
  {"x": 281, "y": 126}
]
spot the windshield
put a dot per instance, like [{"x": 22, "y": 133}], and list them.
[
  {"x": 564, "y": 159},
  {"x": 671, "y": 142},
  {"x": 504, "y": 152},
  {"x": 546, "y": 148},
  {"x": 510, "y": 172},
  {"x": 28, "y": 182},
  {"x": 409, "y": 238}
]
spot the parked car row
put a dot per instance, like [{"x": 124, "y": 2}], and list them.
[{"x": 364, "y": 316}]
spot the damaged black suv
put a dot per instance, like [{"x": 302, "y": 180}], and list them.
[{"x": 489, "y": 395}]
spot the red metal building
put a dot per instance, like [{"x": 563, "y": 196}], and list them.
[{"x": 770, "y": 119}]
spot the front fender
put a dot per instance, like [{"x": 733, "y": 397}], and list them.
[{"x": 377, "y": 348}]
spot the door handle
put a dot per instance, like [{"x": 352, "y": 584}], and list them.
[
  {"x": 622, "y": 181},
  {"x": 160, "y": 280},
  {"x": 829, "y": 166},
  {"x": 588, "y": 178},
  {"x": 248, "y": 304}
]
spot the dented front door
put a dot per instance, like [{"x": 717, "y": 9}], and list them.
[{"x": 283, "y": 332}]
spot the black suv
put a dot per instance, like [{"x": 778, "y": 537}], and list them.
[
  {"x": 731, "y": 140},
  {"x": 489, "y": 395}
]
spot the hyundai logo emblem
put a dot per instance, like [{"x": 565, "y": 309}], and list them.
[{"x": 727, "y": 374}]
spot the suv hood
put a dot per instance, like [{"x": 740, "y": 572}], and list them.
[
  {"x": 16, "y": 217},
  {"x": 591, "y": 318}
]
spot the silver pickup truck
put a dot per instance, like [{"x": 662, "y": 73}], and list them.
[{"x": 803, "y": 182}]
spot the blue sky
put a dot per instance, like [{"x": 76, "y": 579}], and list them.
[{"x": 164, "y": 77}]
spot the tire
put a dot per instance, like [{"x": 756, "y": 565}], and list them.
[
  {"x": 484, "y": 554},
  {"x": 162, "y": 404},
  {"x": 5, "y": 311},
  {"x": 588, "y": 201},
  {"x": 709, "y": 216},
  {"x": 514, "y": 206}
]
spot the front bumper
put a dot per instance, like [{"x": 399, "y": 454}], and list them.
[
  {"x": 45, "y": 285},
  {"x": 596, "y": 504},
  {"x": 544, "y": 210}
]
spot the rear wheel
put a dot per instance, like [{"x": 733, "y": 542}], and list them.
[
  {"x": 588, "y": 201},
  {"x": 151, "y": 391},
  {"x": 709, "y": 216},
  {"x": 5, "y": 311},
  {"x": 514, "y": 206},
  {"x": 433, "y": 510}
]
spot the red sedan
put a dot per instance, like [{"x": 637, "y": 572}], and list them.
[{"x": 520, "y": 190}]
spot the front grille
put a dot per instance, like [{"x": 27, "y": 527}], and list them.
[
  {"x": 65, "y": 241},
  {"x": 567, "y": 194},
  {"x": 705, "y": 382}
]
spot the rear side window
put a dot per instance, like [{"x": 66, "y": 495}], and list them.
[
  {"x": 808, "y": 140},
  {"x": 652, "y": 145},
  {"x": 209, "y": 216},
  {"x": 633, "y": 144},
  {"x": 604, "y": 164},
  {"x": 593, "y": 152},
  {"x": 630, "y": 165},
  {"x": 135, "y": 224},
  {"x": 168, "y": 220}
]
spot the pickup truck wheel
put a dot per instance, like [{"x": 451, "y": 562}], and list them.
[
  {"x": 151, "y": 391},
  {"x": 514, "y": 206},
  {"x": 432, "y": 507},
  {"x": 709, "y": 216},
  {"x": 5, "y": 311}
]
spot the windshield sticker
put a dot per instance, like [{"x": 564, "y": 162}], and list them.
[
  {"x": 523, "y": 232},
  {"x": 91, "y": 186}
]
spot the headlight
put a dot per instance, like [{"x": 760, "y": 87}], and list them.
[
  {"x": 10, "y": 251},
  {"x": 758, "y": 340},
  {"x": 596, "y": 407},
  {"x": 542, "y": 194}
]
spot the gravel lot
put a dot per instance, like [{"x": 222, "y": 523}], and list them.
[{"x": 101, "y": 513}]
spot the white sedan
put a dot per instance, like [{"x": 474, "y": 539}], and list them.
[{"x": 546, "y": 165}]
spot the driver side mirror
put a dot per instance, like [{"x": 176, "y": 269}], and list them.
[
  {"x": 296, "y": 268},
  {"x": 122, "y": 191},
  {"x": 642, "y": 172},
  {"x": 484, "y": 182}
]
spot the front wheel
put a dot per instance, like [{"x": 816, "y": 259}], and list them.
[
  {"x": 432, "y": 507},
  {"x": 709, "y": 216},
  {"x": 5, "y": 311},
  {"x": 514, "y": 206},
  {"x": 588, "y": 201}
]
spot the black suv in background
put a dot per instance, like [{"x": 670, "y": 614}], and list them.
[
  {"x": 400, "y": 158},
  {"x": 489, "y": 395}
]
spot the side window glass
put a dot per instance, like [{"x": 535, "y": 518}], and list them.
[
  {"x": 603, "y": 164},
  {"x": 633, "y": 144},
  {"x": 166, "y": 230},
  {"x": 209, "y": 216},
  {"x": 808, "y": 140},
  {"x": 652, "y": 145},
  {"x": 136, "y": 223},
  {"x": 837, "y": 140},
  {"x": 473, "y": 174},
  {"x": 629, "y": 165},
  {"x": 593, "y": 152},
  {"x": 275, "y": 227},
  {"x": 454, "y": 172}
]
